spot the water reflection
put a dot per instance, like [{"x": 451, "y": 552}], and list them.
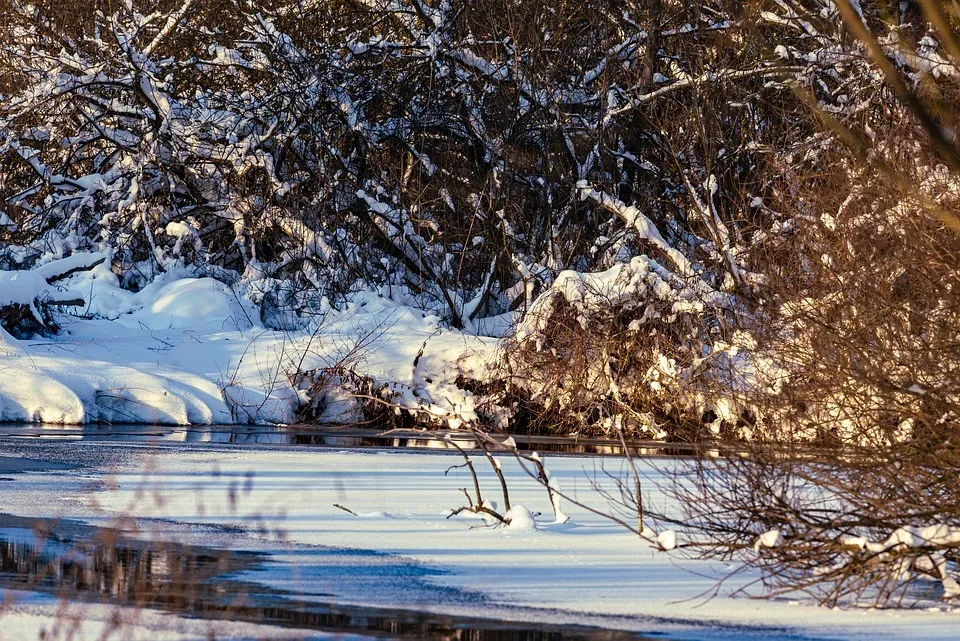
[
  {"x": 345, "y": 438},
  {"x": 84, "y": 563}
]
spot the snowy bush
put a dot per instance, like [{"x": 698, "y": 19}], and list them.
[
  {"x": 771, "y": 326},
  {"x": 620, "y": 349}
]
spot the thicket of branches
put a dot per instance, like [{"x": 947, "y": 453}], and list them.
[{"x": 442, "y": 148}]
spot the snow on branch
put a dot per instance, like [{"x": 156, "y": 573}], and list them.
[{"x": 636, "y": 220}]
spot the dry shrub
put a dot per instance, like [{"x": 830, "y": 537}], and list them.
[
  {"x": 861, "y": 320},
  {"x": 861, "y": 528},
  {"x": 862, "y": 316},
  {"x": 622, "y": 350}
]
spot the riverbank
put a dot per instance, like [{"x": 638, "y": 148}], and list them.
[{"x": 186, "y": 351}]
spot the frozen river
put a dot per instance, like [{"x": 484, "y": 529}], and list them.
[{"x": 171, "y": 534}]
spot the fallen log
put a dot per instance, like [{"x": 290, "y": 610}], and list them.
[{"x": 66, "y": 267}]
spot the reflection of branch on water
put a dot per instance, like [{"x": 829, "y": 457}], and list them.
[{"x": 79, "y": 562}]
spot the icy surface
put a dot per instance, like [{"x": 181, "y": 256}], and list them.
[{"x": 582, "y": 568}]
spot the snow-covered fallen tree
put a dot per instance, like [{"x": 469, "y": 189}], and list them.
[{"x": 28, "y": 297}]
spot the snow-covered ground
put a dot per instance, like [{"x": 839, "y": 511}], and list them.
[
  {"x": 187, "y": 350},
  {"x": 582, "y": 570}
]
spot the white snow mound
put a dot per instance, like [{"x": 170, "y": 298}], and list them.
[
  {"x": 194, "y": 302},
  {"x": 520, "y": 518}
]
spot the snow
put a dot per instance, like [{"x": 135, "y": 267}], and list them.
[
  {"x": 520, "y": 518},
  {"x": 46, "y": 388},
  {"x": 179, "y": 230},
  {"x": 769, "y": 539},
  {"x": 56, "y": 269},
  {"x": 21, "y": 287},
  {"x": 951, "y": 589},
  {"x": 192, "y": 303},
  {"x": 667, "y": 540}
]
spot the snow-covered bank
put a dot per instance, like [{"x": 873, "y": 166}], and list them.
[
  {"x": 585, "y": 567},
  {"x": 187, "y": 350}
]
